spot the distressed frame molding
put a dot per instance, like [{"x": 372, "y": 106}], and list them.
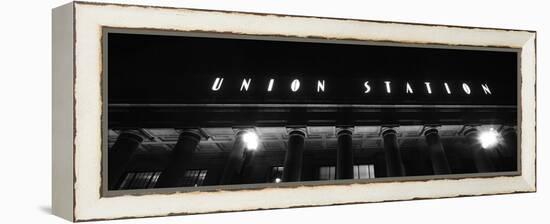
[{"x": 77, "y": 110}]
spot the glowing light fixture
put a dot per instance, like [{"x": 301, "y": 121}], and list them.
[
  {"x": 278, "y": 180},
  {"x": 489, "y": 138},
  {"x": 251, "y": 140}
]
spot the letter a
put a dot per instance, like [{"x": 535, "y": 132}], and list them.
[{"x": 409, "y": 89}]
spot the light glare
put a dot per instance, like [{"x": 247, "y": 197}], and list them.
[
  {"x": 488, "y": 138},
  {"x": 251, "y": 140}
]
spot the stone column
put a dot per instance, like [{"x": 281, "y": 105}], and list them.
[
  {"x": 344, "y": 155},
  {"x": 182, "y": 156},
  {"x": 394, "y": 163},
  {"x": 481, "y": 158},
  {"x": 294, "y": 155},
  {"x": 234, "y": 163},
  {"x": 436, "y": 151},
  {"x": 120, "y": 154},
  {"x": 248, "y": 168}
]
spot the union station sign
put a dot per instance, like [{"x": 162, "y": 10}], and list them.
[{"x": 425, "y": 87}]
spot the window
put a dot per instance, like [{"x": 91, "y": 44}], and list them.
[
  {"x": 327, "y": 172},
  {"x": 276, "y": 174},
  {"x": 365, "y": 171},
  {"x": 139, "y": 180},
  {"x": 194, "y": 178}
]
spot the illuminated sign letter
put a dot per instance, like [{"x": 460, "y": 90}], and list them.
[
  {"x": 217, "y": 84},
  {"x": 409, "y": 89},
  {"x": 486, "y": 89},
  {"x": 388, "y": 86},
  {"x": 320, "y": 85},
  {"x": 245, "y": 84},
  {"x": 466, "y": 88},
  {"x": 428, "y": 88},
  {"x": 367, "y": 87},
  {"x": 270, "y": 86},
  {"x": 447, "y": 88},
  {"x": 295, "y": 86}
]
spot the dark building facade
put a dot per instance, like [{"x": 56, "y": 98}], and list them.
[
  {"x": 215, "y": 156},
  {"x": 187, "y": 111}
]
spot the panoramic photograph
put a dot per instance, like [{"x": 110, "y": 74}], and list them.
[{"x": 195, "y": 110}]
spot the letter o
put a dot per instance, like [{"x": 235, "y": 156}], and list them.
[
  {"x": 295, "y": 86},
  {"x": 466, "y": 88}
]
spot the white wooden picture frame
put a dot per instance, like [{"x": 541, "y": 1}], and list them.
[{"x": 78, "y": 111}]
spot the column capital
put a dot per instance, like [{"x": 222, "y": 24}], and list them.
[
  {"x": 241, "y": 130},
  {"x": 344, "y": 130},
  {"x": 388, "y": 130},
  {"x": 430, "y": 129},
  {"x": 296, "y": 130},
  {"x": 132, "y": 134},
  {"x": 470, "y": 130},
  {"x": 191, "y": 132}
]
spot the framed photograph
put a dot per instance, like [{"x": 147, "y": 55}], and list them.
[{"x": 167, "y": 111}]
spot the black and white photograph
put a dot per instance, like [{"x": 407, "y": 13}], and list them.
[
  {"x": 199, "y": 111},
  {"x": 166, "y": 111},
  {"x": 302, "y": 111}
]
